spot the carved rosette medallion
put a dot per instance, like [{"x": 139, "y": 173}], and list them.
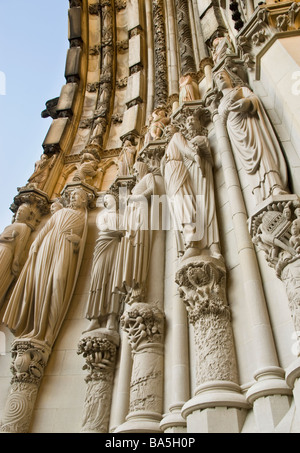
[
  {"x": 99, "y": 349},
  {"x": 29, "y": 359},
  {"x": 202, "y": 287}
]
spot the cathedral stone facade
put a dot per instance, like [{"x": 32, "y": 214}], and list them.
[{"x": 150, "y": 277}]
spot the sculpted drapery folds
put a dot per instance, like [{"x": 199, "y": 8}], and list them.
[
  {"x": 103, "y": 304},
  {"x": 13, "y": 241},
  {"x": 41, "y": 296},
  {"x": 252, "y": 138},
  {"x": 187, "y": 170},
  {"x": 126, "y": 159},
  {"x": 158, "y": 122},
  {"x": 135, "y": 251},
  {"x": 41, "y": 171}
]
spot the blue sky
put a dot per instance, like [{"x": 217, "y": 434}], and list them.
[{"x": 33, "y": 48}]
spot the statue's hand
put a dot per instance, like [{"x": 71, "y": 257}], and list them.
[
  {"x": 135, "y": 198},
  {"x": 75, "y": 239},
  {"x": 8, "y": 237},
  {"x": 34, "y": 248},
  {"x": 242, "y": 105},
  {"x": 15, "y": 267}
]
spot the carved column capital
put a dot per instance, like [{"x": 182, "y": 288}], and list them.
[
  {"x": 38, "y": 201},
  {"x": 29, "y": 359},
  {"x": 202, "y": 287},
  {"x": 143, "y": 324},
  {"x": 275, "y": 229},
  {"x": 99, "y": 350},
  {"x": 152, "y": 153}
]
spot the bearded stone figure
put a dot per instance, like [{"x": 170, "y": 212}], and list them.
[
  {"x": 187, "y": 170},
  {"x": 252, "y": 138},
  {"x": 103, "y": 304},
  {"x": 13, "y": 241},
  {"x": 41, "y": 296}
]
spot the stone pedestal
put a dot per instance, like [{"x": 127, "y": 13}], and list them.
[
  {"x": 99, "y": 350},
  {"x": 30, "y": 358}
]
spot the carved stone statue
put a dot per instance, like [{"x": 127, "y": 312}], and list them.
[
  {"x": 295, "y": 238},
  {"x": 187, "y": 89},
  {"x": 252, "y": 138},
  {"x": 136, "y": 243},
  {"x": 158, "y": 121},
  {"x": 221, "y": 46},
  {"x": 104, "y": 305},
  {"x": 87, "y": 169},
  {"x": 12, "y": 244},
  {"x": 56, "y": 206},
  {"x": 99, "y": 128},
  {"x": 41, "y": 297},
  {"x": 181, "y": 197},
  {"x": 41, "y": 171},
  {"x": 187, "y": 169},
  {"x": 126, "y": 159}
]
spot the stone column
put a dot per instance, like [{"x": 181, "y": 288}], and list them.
[
  {"x": 270, "y": 384},
  {"x": 29, "y": 359},
  {"x": 150, "y": 58},
  {"x": 99, "y": 350},
  {"x": 179, "y": 388},
  {"x": 160, "y": 55},
  {"x": 187, "y": 58},
  {"x": 202, "y": 286},
  {"x": 172, "y": 54},
  {"x": 144, "y": 325},
  {"x": 121, "y": 392},
  {"x": 275, "y": 229},
  {"x": 107, "y": 76}
]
